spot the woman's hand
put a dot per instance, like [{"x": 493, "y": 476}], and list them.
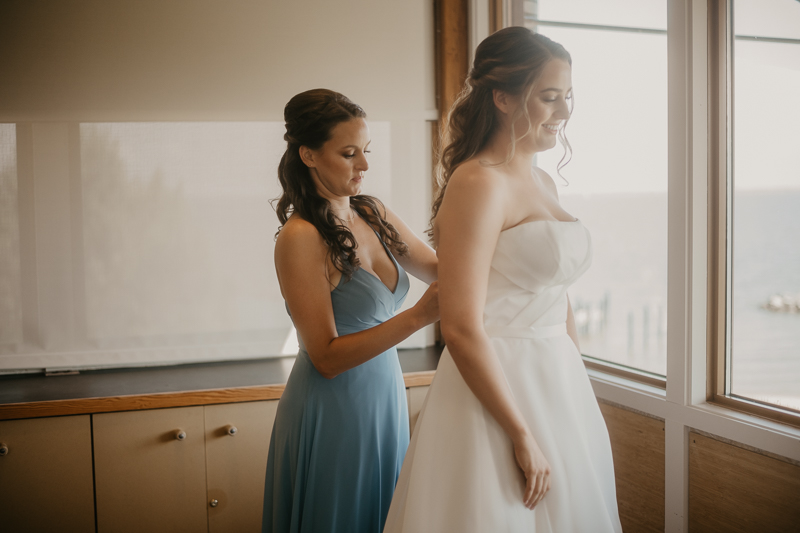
[
  {"x": 535, "y": 468},
  {"x": 428, "y": 305},
  {"x": 302, "y": 263}
]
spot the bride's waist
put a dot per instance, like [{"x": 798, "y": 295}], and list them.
[{"x": 525, "y": 332}]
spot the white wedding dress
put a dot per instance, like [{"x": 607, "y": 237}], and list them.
[{"x": 459, "y": 474}]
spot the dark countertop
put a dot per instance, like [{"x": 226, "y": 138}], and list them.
[{"x": 27, "y": 388}]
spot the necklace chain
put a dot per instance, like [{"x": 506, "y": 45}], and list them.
[{"x": 348, "y": 219}]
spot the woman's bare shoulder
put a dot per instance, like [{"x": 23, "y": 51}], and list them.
[
  {"x": 299, "y": 236},
  {"x": 547, "y": 180},
  {"x": 477, "y": 191},
  {"x": 477, "y": 187},
  {"x": 478, "y": 178}
]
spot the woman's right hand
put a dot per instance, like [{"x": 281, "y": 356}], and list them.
[
  {"x": 535, "y": 468},
  {"x": 428, "y": 305}
]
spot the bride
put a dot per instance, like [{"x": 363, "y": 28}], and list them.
[{"x": 510, "y": 437}]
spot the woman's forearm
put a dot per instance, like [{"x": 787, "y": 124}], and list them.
[
  {"x": 348, "y": 351},
  {"x": 474, "y": 355}
]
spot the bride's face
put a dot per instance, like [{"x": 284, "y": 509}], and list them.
[{"x": 548, "y": 107}]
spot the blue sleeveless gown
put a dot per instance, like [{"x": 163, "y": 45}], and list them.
[{"x": 338, "y": 444}]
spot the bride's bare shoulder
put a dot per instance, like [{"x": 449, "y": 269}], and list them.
[
  {"x": 546, "y": 180},
  {"x": 475, "y": 178},
  {"x": 475, "y": 193}
]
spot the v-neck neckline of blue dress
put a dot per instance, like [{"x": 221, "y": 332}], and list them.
[{"x": 397, "y": 266}]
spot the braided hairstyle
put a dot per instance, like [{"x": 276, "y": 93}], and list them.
[
  {"x": 310, "y": 118},
  {"x": 510, "y": 60}
]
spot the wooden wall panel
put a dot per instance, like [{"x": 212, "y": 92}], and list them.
[
  {"x": 451, "y": 51},
  {"x": 497, "y": 20},
  {"x": 637, "y": 442},
  {"x": 736, "y": 490}
]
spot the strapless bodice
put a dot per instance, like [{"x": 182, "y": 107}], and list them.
[{"x": 533, "y": 265}]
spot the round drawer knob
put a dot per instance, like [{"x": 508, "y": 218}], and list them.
[
  {"x": 214, "y": 502},
  {"x": 232, "y": 430},
  {"x": 180, "y": 435},
  {"x": 3, "y": 449}
]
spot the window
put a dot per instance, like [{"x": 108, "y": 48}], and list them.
[
  {"x": 762, "y": 354},
  {"x": 618, "y": 172}
]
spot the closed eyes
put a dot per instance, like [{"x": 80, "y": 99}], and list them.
[{"x": 350, "y": 156}]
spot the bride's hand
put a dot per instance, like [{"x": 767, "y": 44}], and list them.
[{"x": 535, "y": 468}]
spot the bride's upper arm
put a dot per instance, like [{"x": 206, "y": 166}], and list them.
[{"x": 469, "y": 222}]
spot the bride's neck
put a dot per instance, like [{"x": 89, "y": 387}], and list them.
[{"x": 497, "y": 151}]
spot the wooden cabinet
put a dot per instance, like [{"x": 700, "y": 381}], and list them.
[
  {"x": 150, "y": 471},
  {"x": 46, "y": 475},
  {"x": 416, "y": 397},
  {"x": 187, "y": 469},
  {"x": 237, "y": 442}
]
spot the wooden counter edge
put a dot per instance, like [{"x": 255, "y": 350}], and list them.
[
  {"x": 419, "y": 379},
  {"x": 163, "y": 400}
]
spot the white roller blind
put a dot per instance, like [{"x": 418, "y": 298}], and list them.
[
  {"x": 139, "y": 154},
  {"x": 10, "y": 309},
  {"x": 154, "y": 246}
]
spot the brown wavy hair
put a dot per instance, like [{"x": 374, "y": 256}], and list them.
[
  {"x": 510, "y": 60},
  {"x": 310, "y": 118}
]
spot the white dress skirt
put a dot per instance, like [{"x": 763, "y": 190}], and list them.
[{"x": 460, "y": 474}]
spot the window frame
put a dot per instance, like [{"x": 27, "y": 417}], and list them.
[
  {"x": 709, "y": 67},
  {"x": 720, "y": 225}
]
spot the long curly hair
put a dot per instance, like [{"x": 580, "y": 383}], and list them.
[
  {"x": 510, "y": 60},
  {"x": 310, "y": 118}
]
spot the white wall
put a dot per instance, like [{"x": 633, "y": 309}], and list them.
[
  {"x": 151, "y": 60},
  {"x": 63, "y": 64}
]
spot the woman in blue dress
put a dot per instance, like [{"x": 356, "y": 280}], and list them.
[{"x": 341, "y": 429}]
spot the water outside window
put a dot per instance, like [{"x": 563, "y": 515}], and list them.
[
  {"x": 765, "y": 332},
  {"x": 618, "y": 173}
]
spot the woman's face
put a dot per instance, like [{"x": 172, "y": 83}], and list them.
[
  {"x": 338, "y": 166},
  {"x": 548, "y": 107}
]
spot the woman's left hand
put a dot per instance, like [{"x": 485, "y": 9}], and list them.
[{"x": 535, "y": 467}]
